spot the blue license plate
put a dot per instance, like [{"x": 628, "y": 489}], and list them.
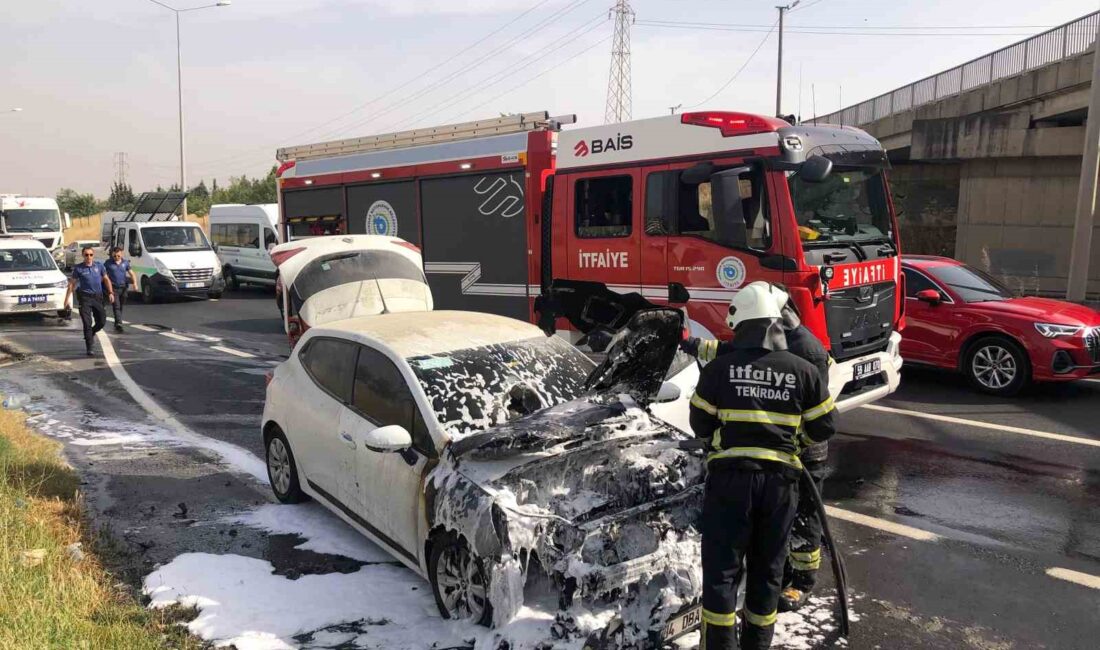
[{"x": 31, "y": 300}]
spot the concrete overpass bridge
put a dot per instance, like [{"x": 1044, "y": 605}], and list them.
[{"x": 987, "y": 157}]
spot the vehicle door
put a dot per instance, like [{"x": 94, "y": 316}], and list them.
[
  {"x": 265, "y": 267},
  {"x": 929, "y": 328},
  {"x": 714, "y": 254},
  {"x": 604, "y": 239},
  {"x": 389, "y": 485},
  {"x": 141, "y": 265},
  {"x": 327, "y": 459}
]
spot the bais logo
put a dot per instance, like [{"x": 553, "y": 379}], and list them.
[
  {"x": 381, "y": 219},
  {"x": 731, "y": 272},
  {"x": 619, "y": 143}
]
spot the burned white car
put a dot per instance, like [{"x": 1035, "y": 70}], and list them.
[{"x": 502, "y": 465}]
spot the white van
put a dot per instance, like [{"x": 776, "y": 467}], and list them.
[
  {"x": 34, "y": 216},
  {"x": 170, "y": 258},
  {"x": 244, "y": 236},
  {"x": 29, "y": 278}
]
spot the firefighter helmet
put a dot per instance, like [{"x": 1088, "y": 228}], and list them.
[{"x": 756, "y": 300}]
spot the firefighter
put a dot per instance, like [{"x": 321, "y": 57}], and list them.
[
  {"x": 758, "y": 404},
  {"x": 804, "y": 558}
]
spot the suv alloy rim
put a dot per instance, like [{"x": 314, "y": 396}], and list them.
[{"x": 994, "y": 367}]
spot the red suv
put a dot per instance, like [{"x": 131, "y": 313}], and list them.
[{"x": 961, "y": 318}]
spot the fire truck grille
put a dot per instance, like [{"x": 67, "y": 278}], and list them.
[
  {"x": 860, "y": 319},
  {"x": 192, "y": 275},
  {"x": 1092, "y": 343}
]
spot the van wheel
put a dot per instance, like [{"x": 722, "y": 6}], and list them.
[
  {"x": 147, "y": 296},
  {"x": 998, "y": 366},
  {"x": 459, "y": 581},
  {"x": 231, "y": 281},
  {"x": 282, "y": 471},
  {"x": 214, "y": 295}
]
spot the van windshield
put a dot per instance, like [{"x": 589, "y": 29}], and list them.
[
  {"x": 26, "y": 220},
  {"x": 26, "y": 259},
  {"x": 849, "y": 206},
  {"x": 161, "y": 239}
]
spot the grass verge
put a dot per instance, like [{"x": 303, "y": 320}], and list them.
[{"x": 50, "y": 597}]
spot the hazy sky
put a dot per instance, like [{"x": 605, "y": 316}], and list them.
[{"x": 95, "y": 77}]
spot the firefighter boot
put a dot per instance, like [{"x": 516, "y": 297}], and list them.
[
  {"x": 754, "y": 637},
  {"x": 791, "y": 599}
]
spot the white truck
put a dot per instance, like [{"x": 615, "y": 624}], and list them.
[{"x": 37, "y": 216}]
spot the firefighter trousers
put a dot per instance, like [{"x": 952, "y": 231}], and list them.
[
  {"x": 747, "y": 517},
  {"x": 804, "y": 559}
]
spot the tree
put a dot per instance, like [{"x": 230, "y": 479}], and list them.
[
  {"x": 76, "y": 204},
  {"x": 198, "y": 199},
  {"x": 122, "y": 197}
]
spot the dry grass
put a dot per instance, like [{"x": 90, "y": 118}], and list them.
[
  {"x": 60, "y": 601},
  {"x": 89, "y": 227}
]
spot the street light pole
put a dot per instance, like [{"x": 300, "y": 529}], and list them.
[
  {"x": 179, "y": 86},
  {"x": 779, "y": 67}
]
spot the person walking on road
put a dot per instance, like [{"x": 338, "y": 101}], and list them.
[
  {"x": 804, "y": 559},
  {"x": 122, "y": 280},
  {"x": 89, "y": 282},
  {"x": 759, "y": 405}
]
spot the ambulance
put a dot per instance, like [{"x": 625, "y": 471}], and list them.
[{"x": 681, "y": 209}]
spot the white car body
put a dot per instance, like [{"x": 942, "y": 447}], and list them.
[
  {"x": 23, "y": 289},
  {"x": 35, "y": 216},
  {"x": 244, "y": 235}
]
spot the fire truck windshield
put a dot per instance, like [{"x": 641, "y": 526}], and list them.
[{"x": 849, "y": 206}]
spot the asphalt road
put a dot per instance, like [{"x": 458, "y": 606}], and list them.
[{"x": 997, "y": 507}]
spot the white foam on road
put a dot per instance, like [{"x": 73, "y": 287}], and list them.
[
  {"x": 1003, "y": 428},
  {"x": 1069, "y": 575},
  {"x": 235, "y": 457},
  {"x": 236, "y": 353},
  {"x": 326, "y": 533}
]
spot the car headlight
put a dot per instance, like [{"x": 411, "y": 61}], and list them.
[
  {"x": 61, "y": 285},
  {"x": 162, "y": 268},
  {"x": 1052, "y": 330}
]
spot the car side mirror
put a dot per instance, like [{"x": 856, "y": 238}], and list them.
[
  {"x": 930, "y": 296},
  {"x": 388, "y": 439},
  {"x": 68, "y": 221},
  {"x": 816, "y": 169},
  {"x": 669, "y": 392}
]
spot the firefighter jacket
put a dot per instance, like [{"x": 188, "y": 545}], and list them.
[
  {"x": 802, "y": 343},
  {"x": 760, "y": 404}
]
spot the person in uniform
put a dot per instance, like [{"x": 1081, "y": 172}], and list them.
[
  {"x": 759, "y": 405},
  {"x": 89, "y": 282},
  {"x": 804, "y": 559},
  {"x": 122, "y": 280}
]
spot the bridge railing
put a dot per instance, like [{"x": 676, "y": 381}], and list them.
[{"x": 1054, "y": 45}]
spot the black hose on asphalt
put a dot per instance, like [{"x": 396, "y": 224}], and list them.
[{"x": 840, "y": 573}]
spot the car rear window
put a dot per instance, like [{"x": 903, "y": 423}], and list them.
[{"x": 352, "y": 266}]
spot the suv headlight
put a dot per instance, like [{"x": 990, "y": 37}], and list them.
[
  {"x": 1052, "y": 330},
  {"x": 161, "y": 268}
]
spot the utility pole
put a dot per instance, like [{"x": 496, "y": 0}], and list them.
[
  {"x": 1081, "y": 247},
  {"x": 618, "y": 81},
  {"x": 779, "y": 67}
]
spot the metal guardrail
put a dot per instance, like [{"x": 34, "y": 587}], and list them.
[{"x": 1051, "y": 46}]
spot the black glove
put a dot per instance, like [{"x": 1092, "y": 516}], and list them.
[{"x": 690, "y": 345}]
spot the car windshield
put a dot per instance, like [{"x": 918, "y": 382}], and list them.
[
  {"x": 970, "y": 284},
  {"x": 850, "y": 205},
  {"x": 160, "y": 239},
  {"x": 25, "y": 259},
  {"x": 26, "y": 220},
  {"x": 477, "y": 388}
]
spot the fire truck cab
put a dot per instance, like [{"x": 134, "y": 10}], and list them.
[{"x": 697, "y": 204}]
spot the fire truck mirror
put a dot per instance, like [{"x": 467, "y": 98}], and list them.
[
  {"x": 727, "y": 207},
  {"x": 816, "y": 169},
  {"x": 697, "y": 174}
]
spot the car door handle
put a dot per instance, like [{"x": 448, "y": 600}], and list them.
[{"x": 346, "y": 437}]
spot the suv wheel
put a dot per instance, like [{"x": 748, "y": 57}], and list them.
[
  {"x": 997, "y": 365},
  {"x": 282, "y": 471},
  {"x": 459, "y": 581}
]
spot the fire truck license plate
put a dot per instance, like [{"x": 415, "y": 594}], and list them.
[
  {"x": 683, "y": 622},
  {"x": 867, "y": 368},
  {"x": 31, "y": 300}
]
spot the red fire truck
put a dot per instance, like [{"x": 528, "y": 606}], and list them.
[{"x": 703, "y": 202}]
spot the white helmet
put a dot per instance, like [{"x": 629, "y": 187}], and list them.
[{"x": 756, "y": 300}]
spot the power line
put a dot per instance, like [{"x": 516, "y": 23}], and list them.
[
  {"x": 739, "y": 70},
  {"x": 802, "y": 30},
  {"x": 856, "y": 27},
  {"x": 806, "y": 6}
]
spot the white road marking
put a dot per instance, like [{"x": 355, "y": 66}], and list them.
[
  {"x": 243, "y": 355},
  {"x": 1076, "y": 577},
  {"x": 143, "y": 328},
  {"x": 986, "y": 425},
  {"x": 233, "y": 456},
  {"x": 881, "y": 524},
  {"x": 178, "y": 337}
]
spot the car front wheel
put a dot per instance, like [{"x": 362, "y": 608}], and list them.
[
  {"x": 282, "y": 471},
  {"x": 997, "y": 366},
  {"x": 459, "y": 581}
]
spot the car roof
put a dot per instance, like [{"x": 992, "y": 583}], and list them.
[
  {"x": 926, "y": 261},
  {"x": 413, "y": 334},
  {"x": 21, "y": 242}
]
